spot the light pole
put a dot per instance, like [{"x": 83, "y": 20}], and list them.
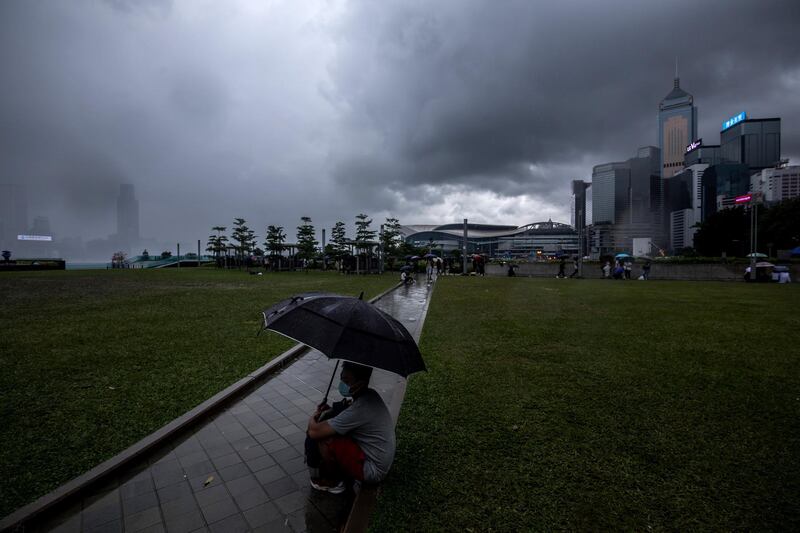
[
  {"x": 581, "y": 224},
  {"x": 464, "y": 256}
]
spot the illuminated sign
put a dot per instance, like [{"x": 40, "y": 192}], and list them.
[
  {"x": 696, "y": 144},
  {"x": 745, "y": 199},
  {"x": 734, "y": 120},
  {"x": 47, "y": 238}
]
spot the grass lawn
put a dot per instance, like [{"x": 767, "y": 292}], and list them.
[
  {"x": 600, "y": 405},
  {"x": 92, "y": 361}
]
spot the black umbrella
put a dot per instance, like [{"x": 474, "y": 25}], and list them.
[
  {"x": 406, "y": 267},
  {"x": 343, "y": 327}
]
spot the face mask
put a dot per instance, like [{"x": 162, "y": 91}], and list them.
[{"x": 344, "y": 389}]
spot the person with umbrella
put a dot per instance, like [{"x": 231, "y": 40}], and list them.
[
  {"x": 357, "y": 443},
  {"x": 357, "y": 440},
  {"x": 405, "y": 274}
]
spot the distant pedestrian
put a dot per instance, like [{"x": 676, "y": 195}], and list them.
[
  {"x": 429, "y": 269},
  {"x": 607, "y": 270},
  {"x": 511, "y": 267},
  {"x": 561, "y": 266},
  {"x": 619, "y": 272},
  {"x": 747, "y": 274},
  {"x": 575, "y": 268},
  {"x": 646, "y": 271},
  {"x": 628, "y": 266}
]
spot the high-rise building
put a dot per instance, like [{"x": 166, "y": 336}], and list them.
[
  {"x": 589, "y": 205},
  {"x": 13, "y": 214},
  {"x": 580, "y": 208},
  {"x": 610, "y": 192},
  {"x": 682, "y": 229},
  {"x": 127, "y": 216},
  {"x": 702, "y": 154},
  {"x": 777, "y": 183},
  {"x": 677, "y": 128},
  {"x": 625, "y": 202},
  {"x": 682, "y": 203},
  {"x": 41, "y": 226},
  {"x": 578, "y": 204},
  {"x": 752, "y": 142},
  {"x": 644, "y": 172},
  {"x": 721, "y": 184}
]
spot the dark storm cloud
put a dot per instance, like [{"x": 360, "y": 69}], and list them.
[
  {"x": 475, "y": 92},
  {"x": 425, "y": 110}
]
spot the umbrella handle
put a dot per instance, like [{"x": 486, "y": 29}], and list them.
[{"x": 335, "y": 368}]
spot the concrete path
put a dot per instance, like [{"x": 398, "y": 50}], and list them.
[{"x": 243, "y": 469}]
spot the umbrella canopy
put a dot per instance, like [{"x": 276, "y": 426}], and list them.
[
  {"x": 343, "y": 327},
  {"x": 429, "y": 256},
  {"x": 623, "y": 255},
  {"x": 796, "y": 251},
  {"x": 415, "y": 258},
  {"x": 406, "y": 267},
  {"x": 764, "y": 264},
  {"x": 757, "y": 254}
]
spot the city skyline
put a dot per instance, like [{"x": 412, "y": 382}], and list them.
[{"x": 430, "y": 113}]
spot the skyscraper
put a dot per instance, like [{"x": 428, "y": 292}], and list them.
[
  {"x": 721, "y": 184},
  {"x": 677, "y": 127},
  {"x": 624, "y": 202},
  {"x": 127, "y": 216},
  {"x": 752, "y": 142}
]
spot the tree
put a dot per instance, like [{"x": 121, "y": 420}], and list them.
[
  {"x": 457, "y": 263},
  {"x": 6, "y": 255},
  {"x": 118, "y": 259},
  {"x": 274, "y": 241},
  {"x": 217, "y": 243},
  {"x": 166, "y": 254},
  {"x": 725, "y": 231},
  {"x": 244, "y": 237},
  {"x": 390, "y": 240},
  {"x": 145, "y": 255},
  {"x": 728, "y": 230},
  {"x": 338, "y": 241},
  {"x": 306, "y": 241},
  {"x": 364, "y": 235},
  {"x": 780, "y": 225}
]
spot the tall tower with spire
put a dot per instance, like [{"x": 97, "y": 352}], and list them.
[{"x": 677, "y": 127}]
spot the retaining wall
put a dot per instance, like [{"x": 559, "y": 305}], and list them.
[{"x": 659, "y": 271}]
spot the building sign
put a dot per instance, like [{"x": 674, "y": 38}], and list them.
[
  {"x": 47, "y": 238},
  {"x": 696, "y": 144},
  {"x": 744, "y": 199},
  {"x": 734, "y": 120}
]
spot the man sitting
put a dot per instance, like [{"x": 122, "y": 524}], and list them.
[{"x": 359, "y": 442}]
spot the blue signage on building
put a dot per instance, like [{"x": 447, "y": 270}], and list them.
[{"x": 734, "y": 120}]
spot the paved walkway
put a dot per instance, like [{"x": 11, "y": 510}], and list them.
[{"x": 242, "y": 470}]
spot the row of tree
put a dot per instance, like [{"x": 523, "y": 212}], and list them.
[
  {"x": 729, "y": 231},
  {"x": 243, "y": 241}
]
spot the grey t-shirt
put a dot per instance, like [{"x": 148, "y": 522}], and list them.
[{"x": 370, "y": 425}]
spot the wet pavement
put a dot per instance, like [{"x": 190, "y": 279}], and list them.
[{"x": 243, "y": 469}]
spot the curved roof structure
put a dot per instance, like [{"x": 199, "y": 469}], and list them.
[{"x": 488, "y": 230}]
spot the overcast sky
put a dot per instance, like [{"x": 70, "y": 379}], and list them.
[{"x": 430, "y": 111}]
